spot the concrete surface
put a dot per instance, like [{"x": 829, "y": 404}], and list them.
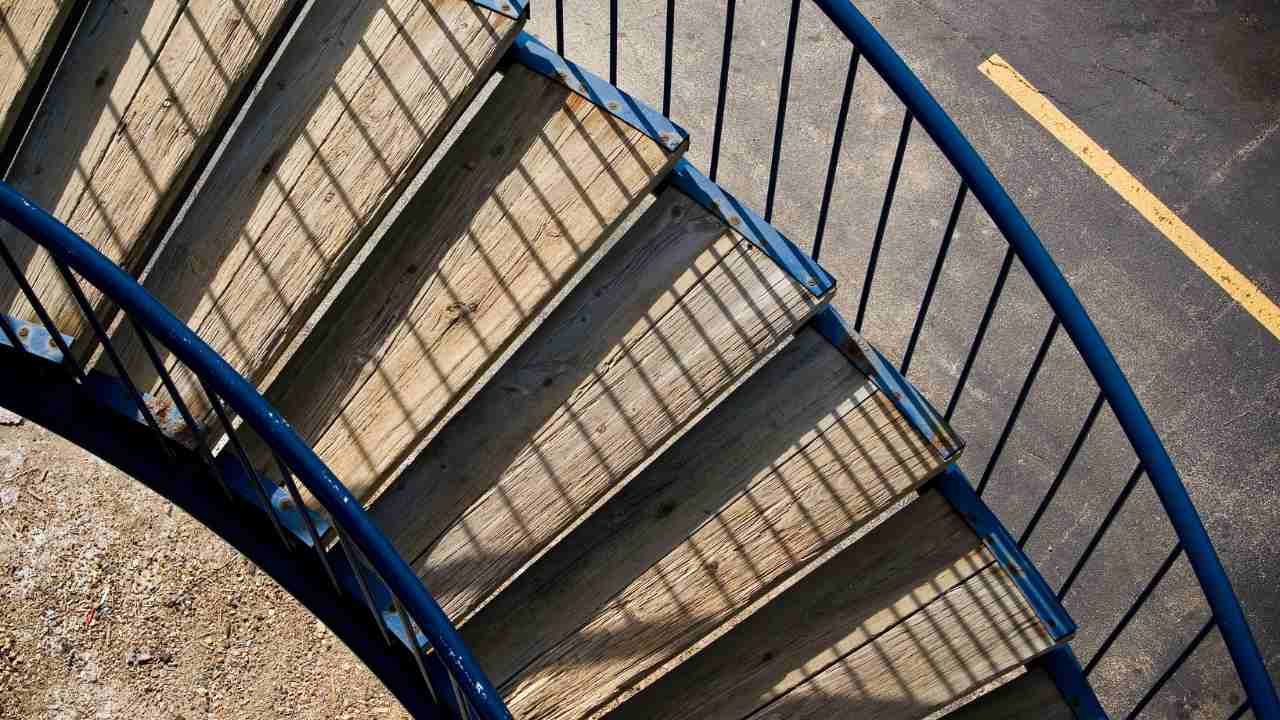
[{"x": 1186, "y": 95}]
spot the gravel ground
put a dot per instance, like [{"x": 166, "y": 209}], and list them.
[{"x": 115, "y": 604}]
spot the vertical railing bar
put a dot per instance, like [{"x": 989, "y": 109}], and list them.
[
  {"x": 45, "y": 319},
  {"x": 1023, "y": 393},
  {"x": 841, "y": 119},
  {"x": 356, "y": 559},
  {"x": 292, "y": 486},
  {"x": 202, "y": 439},
  {"x": 1001, "y": 277},
  {"x": 932, "y": 286},
  {"x": 411, "y": 632},
  {"x": 727, "y": 53},
  {"x": 77, "y": 293},
  {"x": 1133, "y": 609},
  {"x": 560, "y": 28},
  {"x": 1177, "y": 664},
  {"x": 11, "y": 335},
  {"x": 669, "y": 57},
  {"x": 254, "y": 477},
  {"x": 1070, "y": 460},
  {"x": 1240, "y": 711},
  {"x": 779, "y": 126},
  {"x": 883, "y": 223},
  {"x": 1102, "y": 530},
  {"x": 613, "y": 42},
  {"x": 457, "y": 696}
]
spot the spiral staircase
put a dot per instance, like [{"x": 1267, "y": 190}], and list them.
[{"x": 564, "y": 429}]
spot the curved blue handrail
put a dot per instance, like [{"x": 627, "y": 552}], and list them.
[
  {"x": 1097, "y": 356},
  {"x": 346, "y": 511}
]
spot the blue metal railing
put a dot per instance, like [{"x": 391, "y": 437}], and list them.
[{"x": 364, "y": 545}]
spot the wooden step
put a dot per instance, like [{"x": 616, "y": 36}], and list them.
[
  {"x": 128, "y": 117},
  {"x": 31, "y": 28},
  {"x": 355, "y": 105},
  {"x": 589, "y": 398},
  {"x": 799, "y": 393},
  {"x": 1031, "y": 696},
  {"x": 528, "y": 193},
  {"x": 800, "y": 499},
  {"x": 864, "y": 598}
]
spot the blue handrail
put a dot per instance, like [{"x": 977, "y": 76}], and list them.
[
  {"x": 348, "y": 514},
  {"x": 1097, "y": 356}
]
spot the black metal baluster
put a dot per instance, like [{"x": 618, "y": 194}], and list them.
[
  {"x": 779, "y": 125},
  {"x": 1076, "y": 446},
  {"x": 836, "y": 141},
  {"x": 1001, "y": 277},
  {"x": 292, "y": 486},
  {"x": 356, "y": 559},
  {"x": 254, "y": 476},
  {"x": 411, "y": 633},
  {"x": 1102, "y": 530},
  {"x": 884, "y": 220},
  {"x": 1133, "y": 609},
  {"x": 943, "y": 249},
  {"x": 669, "y": 55},
  {"x": 1240, "y": 711},
  {"x": 1177, "y": 663},
  {"x": 560, "y": 27},
  {"x": 1023, "y": 394},
  {"x": 100, "y": 332},
  {"x": 718, "y": 131},
  {"x": 45, "y": 319}
]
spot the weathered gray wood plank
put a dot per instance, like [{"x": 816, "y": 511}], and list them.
[
  {"x": 969, "y": 636},
  {"x": 1031, "y": 696},
  {"x": 792, "y": 511},
  {"x": 676, "y": 364},
  {"x": 801, "y": 392},
  {"x": 127, "y": 116},
  {"x": 649, "y": 270},
  {"x": 27, "y": 31},
  {"x": 529, "y": 191},
  {"x": 924, "y": 550},
  {"x": 353, "y": 108}
]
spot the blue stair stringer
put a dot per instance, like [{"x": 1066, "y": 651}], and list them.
[{"x": 98, "y": 416}]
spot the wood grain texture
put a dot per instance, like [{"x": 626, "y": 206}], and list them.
[
  {"x": 129, "y": 113},
  {"x": 348, "y": 115},
  {"x": 800, "y": 393},
  {"x": 28, "y": 29},
  {"x": 791, "y": 512},
  {"x": 676, "y": 364},
  {"x": 924, "y": 550},
  {"x": 528, "y": 192},
  {"x": 970, "y": 635},
  {"x": 1031, "y": 696},
  {"x": 649, "y": 270}
]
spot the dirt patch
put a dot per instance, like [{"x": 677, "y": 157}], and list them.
[{"x": 115, "y": 604}]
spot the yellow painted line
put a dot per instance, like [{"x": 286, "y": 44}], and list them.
[{"x": 1239, "y": 287}]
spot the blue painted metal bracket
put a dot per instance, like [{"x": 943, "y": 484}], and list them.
[
  {"x": 955, "y": 487},
  {"x": 922, "y": 417},
  {"x": 34, "y": 337},
  {"x": 1064, "y": 670},
  {"x": 514, "y": 9},
  {"x": 806, "y": 271},
  {"x": 541, "y": 59}
]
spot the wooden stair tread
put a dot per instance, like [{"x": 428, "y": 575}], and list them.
[
  {"x": 128, "y": 115},
  {"x": 675, "y": 360},
  {"x": 529, "y": 192},
  {"x": 801, "y": 391},
  {"x": 918, "y": 554},
  {"x": 796, "y": 506},
  {"x": 1030, "y": 696},
  {"x": 30, "y": 28},
  {"x": 353, "y": 108}
]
